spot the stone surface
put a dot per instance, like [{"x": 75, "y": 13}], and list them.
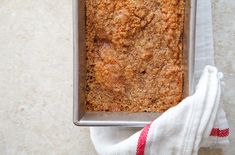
[
  {"x": 36, "y": 80},
  {"x": 224, "y": 37},
  {"x": 36, "y": 76}
]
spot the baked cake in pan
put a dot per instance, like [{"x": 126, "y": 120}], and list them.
[{"x": 134, "y": 55}]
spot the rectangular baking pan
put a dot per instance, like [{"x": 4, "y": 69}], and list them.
[{"x": 82, "y": 118}]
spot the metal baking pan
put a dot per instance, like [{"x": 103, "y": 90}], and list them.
[{"x": 82, "y": 118}]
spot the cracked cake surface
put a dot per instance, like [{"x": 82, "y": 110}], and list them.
[{"x": 134, "y": 55}]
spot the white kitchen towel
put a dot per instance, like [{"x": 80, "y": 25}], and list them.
[
  {"x": 197, "y": 121},
  {"x": 209, "y": 128},
  {"x": 204, "y": 53}
]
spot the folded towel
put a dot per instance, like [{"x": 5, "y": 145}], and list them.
[{"x": 197, "y": 121}]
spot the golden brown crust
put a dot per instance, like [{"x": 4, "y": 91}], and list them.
[{"x": 134, "y": 52}]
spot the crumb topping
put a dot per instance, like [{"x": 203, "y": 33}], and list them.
[{"x": 134, "y": 52}]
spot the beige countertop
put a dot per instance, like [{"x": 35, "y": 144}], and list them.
[{"x": 36, "y": 76}]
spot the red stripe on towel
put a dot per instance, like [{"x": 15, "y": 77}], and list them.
[
  {"x": 219, "y": 133},
  {"x": 142, "y": 140}
]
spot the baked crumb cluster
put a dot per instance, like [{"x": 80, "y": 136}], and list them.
[{"x": 134, "y": 52}]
